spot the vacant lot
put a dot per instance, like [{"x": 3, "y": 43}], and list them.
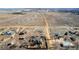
[{"x": 35, "y": 19}]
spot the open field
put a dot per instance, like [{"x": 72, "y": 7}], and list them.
[
  {"x": 34, "y": 18},
  {"x": 6, "y": 16}
]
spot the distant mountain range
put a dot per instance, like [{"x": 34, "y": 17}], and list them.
[
  {"x": 40, "y": 8},
  {"x": 11, "y": 10}
]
